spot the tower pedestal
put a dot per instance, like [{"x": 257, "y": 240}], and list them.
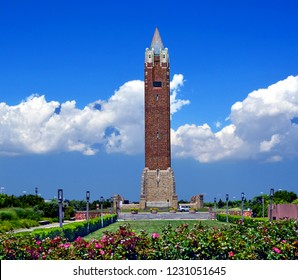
[{"x": 158, "y": 189}]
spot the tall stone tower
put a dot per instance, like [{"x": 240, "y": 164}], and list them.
[{"x": 158, "y": 183}]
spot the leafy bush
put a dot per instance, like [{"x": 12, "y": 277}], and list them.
[
  {"x": 28, "y": 213},
  {"x": 19, "y": 213},
  {"x": 234, "y": 219},
  {"x": 6, "y": 226},
  {"x": 258, "y": 240},
  {"x": 8, "y": 215}
]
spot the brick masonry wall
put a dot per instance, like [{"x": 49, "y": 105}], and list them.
[
  {"x": 157, "y": 116},
  {"x": 81, "y": 215},
  {"x": 284, "y": 211}
]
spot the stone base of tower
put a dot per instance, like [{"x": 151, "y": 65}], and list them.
[{"x": 158, "y": 189}]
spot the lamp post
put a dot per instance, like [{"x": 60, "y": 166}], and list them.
[
  {"x": 87, "y": 209},
  {"x": 60, "y": 200},
  {"x": 214, "y": 207},
  {"x": 101, "y": 215},
  {"x": 111, "y": 211},
  {"x": 263, "y": 209},
  {"x": 227, "y": 213},
  {"x": 271, "y": 206},
  {"x": 36, "y": 191},
  {"x": 242, "y": 206}
]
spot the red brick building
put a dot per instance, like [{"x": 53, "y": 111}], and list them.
[{"x": 158, "y": 184}]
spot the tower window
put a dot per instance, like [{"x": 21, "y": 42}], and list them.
[
  {"x": 157, "y": 84},
  {"x": 157, "y": 135},
  {"x": 156, "y": 97}
]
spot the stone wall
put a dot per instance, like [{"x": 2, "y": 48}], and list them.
[
  {"x": 197, "y": 201},
  {"x": 129, "y": 206},
  {"x": 158, "y": 189}
]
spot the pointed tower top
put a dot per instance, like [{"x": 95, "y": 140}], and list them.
[{"x": 156, "y": 42}]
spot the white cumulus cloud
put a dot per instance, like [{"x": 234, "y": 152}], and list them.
[
  {"x": 262, "y": 128},
  {"x": 114, "y": 125}
]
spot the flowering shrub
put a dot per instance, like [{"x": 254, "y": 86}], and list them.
[{"x": 256, "y": 241}]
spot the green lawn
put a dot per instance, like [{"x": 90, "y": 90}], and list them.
[{"x": 150, "y": 226}]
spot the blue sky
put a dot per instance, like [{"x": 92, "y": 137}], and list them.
[{"x": 71, "y": 96}]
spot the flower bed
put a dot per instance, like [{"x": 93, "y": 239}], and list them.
[{"x": 257, "y": 240}]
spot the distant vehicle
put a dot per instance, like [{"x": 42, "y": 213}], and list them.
[{"x": 184, "y": 208}]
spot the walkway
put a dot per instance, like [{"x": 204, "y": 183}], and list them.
[
  {"x": 164, "y": 216},
  {"x": 44, "y": 226}
]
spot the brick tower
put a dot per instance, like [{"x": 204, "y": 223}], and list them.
[{"x": 158, "y": 184}]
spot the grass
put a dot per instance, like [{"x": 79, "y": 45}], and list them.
[{"x": 150, "y": 226}]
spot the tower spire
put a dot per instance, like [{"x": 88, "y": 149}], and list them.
[{"x": 156, "y": 43}]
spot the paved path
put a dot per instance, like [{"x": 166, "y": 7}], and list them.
[
  {"x": 164, "y": 216},
  {"x": 44, "y": 226}
]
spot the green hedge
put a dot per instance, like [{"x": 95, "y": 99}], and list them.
[
  {"x": 71, "y": 231},
  {"x": 234, "y": 219}
]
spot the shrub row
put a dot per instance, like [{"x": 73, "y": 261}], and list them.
[
  {"x": 71, "y": 231},
  {"x": 234, "y": 219}
]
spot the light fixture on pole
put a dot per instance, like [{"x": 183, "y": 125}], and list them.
[
  {"x": 111, "y": 211},
  {"x": 271, "y": 202},
  {"x": 101, "y": 214},
  {"x": 227, "y": 212},
  {"x": 60, "y": 200},
  {"x": 242, "y": 206},
  {"x": 87, "y": 209},
  {"x": 214, "y": 207},
  {"x": 36, "y": 191},
  {"x": 263, "y": 209}
]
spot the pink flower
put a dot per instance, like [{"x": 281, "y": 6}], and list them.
[
  {"x": 98, "y": 246},
  {"x": 102, "y": 252},
  {"x": 231, "y": 254},
  {"x": 65, "y": 245},
  {"x": 155, "y": 235},
  {"x": 79, "y": 239},
  {"x": 38, "y": 242},
  {"x": 276, "y": 250},
  {"x": 283, "y": 241}
]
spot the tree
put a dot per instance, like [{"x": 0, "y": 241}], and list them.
[
  {"x": 220, "y": 203},
  {"x": 283, "y": 197}
]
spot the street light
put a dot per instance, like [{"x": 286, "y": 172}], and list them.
[
  {"x": 227, "y": 214},
  {"x": 87, "y": 209},
  {"x": 111, "y": 200},
  {"x": 36, "y": 191},
  {"x": 242, "y": 206},
  {"x": 60, "y": 200},
  {"x": 271, "y": 206},
  {"x": 214, "y": 207},
  {"x": 101, "y": 216},
  {"x": 263, "y": 208}
]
